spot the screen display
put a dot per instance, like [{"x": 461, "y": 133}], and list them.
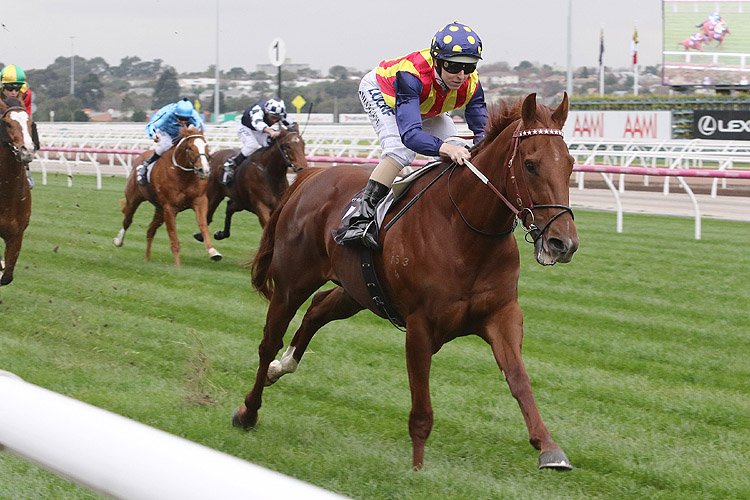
[{"x": 706, "y": 43}]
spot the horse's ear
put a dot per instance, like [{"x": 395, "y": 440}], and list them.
[
  {"x": 528, "y": 109},
  {"x": 560, "y": 115}
]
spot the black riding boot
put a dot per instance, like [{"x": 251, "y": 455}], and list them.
[
  {"x": 142, "y": 169},
  {"x": 362, "y": 226},
  {"x": 229, "y": 166}
]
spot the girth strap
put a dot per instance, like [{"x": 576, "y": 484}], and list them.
[{"x": 375, "y": 291}]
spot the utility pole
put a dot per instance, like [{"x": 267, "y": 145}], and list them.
[
  {"x": 72, "y": 71},
  {"x": 216, "y": 69}
]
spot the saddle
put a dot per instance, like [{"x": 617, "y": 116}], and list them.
[{"x": 367, "y": 260}]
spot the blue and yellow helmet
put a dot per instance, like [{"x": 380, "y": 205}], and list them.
[
  {"x": 456, "y": 42},
  {"x": 184, "y": 108}
]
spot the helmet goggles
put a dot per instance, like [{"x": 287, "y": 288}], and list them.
[{"x": 454, "y": 67}]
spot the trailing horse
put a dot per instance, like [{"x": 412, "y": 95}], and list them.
[
  {"x": 260, "y": 181},
  {"x": 449, "y": 263},
  {"x": 178, "y": 182},
  {"x": 16, "y": 151}
]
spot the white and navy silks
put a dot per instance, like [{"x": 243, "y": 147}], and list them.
[
  {"x": 252, "y": 124},
  {"x": 163, "y": 124},
  {"x": 405, "y": 133}
]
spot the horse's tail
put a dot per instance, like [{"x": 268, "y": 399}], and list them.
[{"x": 262, "y": 265}]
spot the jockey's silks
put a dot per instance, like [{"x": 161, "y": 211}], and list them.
[{"x": 433, "y": 100}]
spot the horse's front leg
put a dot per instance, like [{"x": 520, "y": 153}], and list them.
[
  {"x": 170, "y": 219},
  {"x": 264, "y": 213},
  {"x": 200, "y": 207},
  {"x": 156, "y": 222},
  {"x": 504, "y": 333},
  {"x": 12, "y": 250},
  {"x": 232, "y": 207},
  {"x": 419, "y": 350}
]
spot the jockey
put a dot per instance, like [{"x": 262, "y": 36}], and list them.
[
  {"x": 164, "y": 127},
  {"x": 14, "y": 85},
  {"x": 255, "y": 132},
  {"x": 408, "y": 100}
]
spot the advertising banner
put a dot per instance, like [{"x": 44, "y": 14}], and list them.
[
  {"x": 619, "y": 125},
  {"x": 721, "y": 125}
]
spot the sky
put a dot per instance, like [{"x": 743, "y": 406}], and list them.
[{"x": 323, "y": 33}]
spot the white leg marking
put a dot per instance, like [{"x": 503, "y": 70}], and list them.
[
  {"x": 120, "y": 238},
  {"x": 278, "y": 368}
]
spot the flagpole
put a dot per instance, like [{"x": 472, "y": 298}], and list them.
[
  {"x": 635, "y": 61},
  {"x": 601, "y": 63},
  {"x": 569, "y": 85}
]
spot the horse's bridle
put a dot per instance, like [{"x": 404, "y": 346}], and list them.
[
  {"x": 194, "y": 169},
  {"x": 13, "y": 148},
  {"x": 289, "y": 162},
  {"x": 522, "y": 212}
]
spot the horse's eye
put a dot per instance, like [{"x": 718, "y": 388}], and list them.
[{"x": 529, "y": 166}]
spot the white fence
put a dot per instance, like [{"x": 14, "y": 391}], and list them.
[
  {"x": 121, "y": 458},
  {"x": 109, "y": 148}
]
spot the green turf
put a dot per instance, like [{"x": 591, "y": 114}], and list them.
[{"x": 637, "y": 350}]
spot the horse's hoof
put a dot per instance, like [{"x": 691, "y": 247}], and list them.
[
  {"x": 554, "y": 459},
  {"x": 198, "y": 236},
  {"x": 236, "y": 422},
  {"x": 215, "y": 255},
  {"x": 219, "y": 235},
  {"x": 116, "y": 242}
]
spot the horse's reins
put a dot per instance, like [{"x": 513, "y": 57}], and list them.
[
  {"x": 521, "y": 212},
  {"x": 194, "y": 169}
]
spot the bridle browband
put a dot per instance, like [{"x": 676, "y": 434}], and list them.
[
  {"x": 521, "y": 212},
  {"x": 194, "y": 169}
]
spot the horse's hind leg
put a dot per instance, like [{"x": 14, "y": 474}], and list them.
[
  {"x": 232, "y": 208},
  {"x": 156, "y": 222},
  {"x": 129, "y": 209},
  {"x": 12, "y": 250},
  {"x": 326, "y": 306},
  {"x": 281, "y": 310}
]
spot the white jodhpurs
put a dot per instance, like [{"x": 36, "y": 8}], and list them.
[
  {"x": 251, "y": 140},
  {"x": 164, "y": 142},
  {"x": 383, "y": 119}
]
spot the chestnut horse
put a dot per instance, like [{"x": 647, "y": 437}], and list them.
[
  {"x": 16, "y": 151},
  {"x": 259, "y": 182},
  {"x": 178, "y": 182},
  {"x": 449, "y": 264}
]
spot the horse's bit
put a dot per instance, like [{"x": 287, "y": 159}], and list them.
[
  {"x": 194, "y": 169},
  {"x": 522, "y": 212}
]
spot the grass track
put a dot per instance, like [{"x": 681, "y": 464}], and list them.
[{"x": 638, "y": 353}]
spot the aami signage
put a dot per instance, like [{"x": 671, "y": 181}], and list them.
[
  {"x": 721, "y": 124},
  {"x": 619, "y": 125}
]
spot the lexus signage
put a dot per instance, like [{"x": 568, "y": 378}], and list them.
[{"x": 721, "y": 125}]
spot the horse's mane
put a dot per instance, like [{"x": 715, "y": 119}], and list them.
[
  {"x": 188, "y": 131},
  {"x": 502, "y": 114}
]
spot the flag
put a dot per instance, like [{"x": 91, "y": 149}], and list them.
[
  {"x": 601, "y": 47},
  {"x": 635, "y": 45}
]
